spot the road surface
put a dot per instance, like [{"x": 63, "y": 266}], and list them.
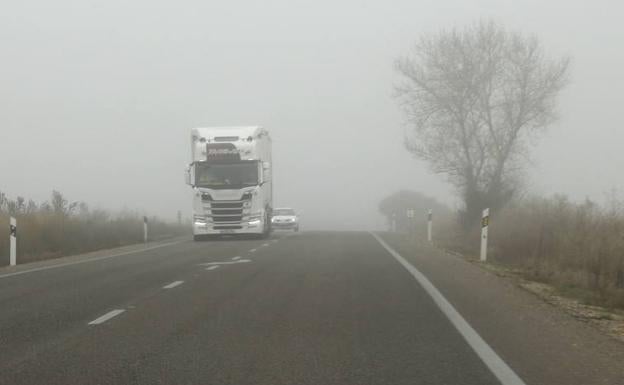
[{"x": 311, "y": 308}]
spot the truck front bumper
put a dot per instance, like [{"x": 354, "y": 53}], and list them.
[{"x": 251, "y": 227}]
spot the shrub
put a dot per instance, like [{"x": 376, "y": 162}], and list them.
[
  {"x": 60, "y": 227},
  {"x": 576, "y": 246}
]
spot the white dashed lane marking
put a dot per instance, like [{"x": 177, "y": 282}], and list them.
[
  {"x": 106, "y": 317},
  {"x": 173, "y": 284},
  {"x": 212, "y": 267},
  {"x": 225, "y": 263},
  {"x": 236, "y": 258}
]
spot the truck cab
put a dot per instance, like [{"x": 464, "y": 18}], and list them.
[{"x": 230, "y": 177}]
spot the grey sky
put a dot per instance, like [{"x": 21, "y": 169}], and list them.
[{"x": 98, "y": 97}]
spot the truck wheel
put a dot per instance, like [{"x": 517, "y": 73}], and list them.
[
  {"x": 266, "y": 230},
  {"x": 197, "y": 238}
]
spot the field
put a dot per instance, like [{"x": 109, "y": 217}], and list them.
[
  {"x": 577, "y": 247},
  {"x": 59, "y": 227}
]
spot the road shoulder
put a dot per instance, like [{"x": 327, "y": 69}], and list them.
[
  {"x": 8, "y": 271},
  {"x": 543, "y": 344}
]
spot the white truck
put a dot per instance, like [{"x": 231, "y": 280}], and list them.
[{"x": 230, "y": 174}]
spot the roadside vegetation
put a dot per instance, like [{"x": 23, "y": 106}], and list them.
[
  {"x": 58, "y": 227},
  {"x": 576, "y": 247},
  {"x": 476, "y": 100}
]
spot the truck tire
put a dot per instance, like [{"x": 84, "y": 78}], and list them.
[{"x": 266, "y": 230}]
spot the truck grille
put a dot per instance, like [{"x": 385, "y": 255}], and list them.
[
  {"x": 225, "y": 214},
  {"x": 227, "y": 204},
  {"x": 224, "y": 211}
]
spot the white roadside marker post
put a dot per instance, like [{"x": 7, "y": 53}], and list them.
[
  {"x": 13, "y": 241},
  {"x": 145, "y": 229},
  {"x": 411, "y": 226},
  {"x": 485, "y": 223},
  {"x": 430, "y": 226}
]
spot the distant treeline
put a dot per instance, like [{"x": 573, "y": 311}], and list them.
[
  {"x": 58, "y": 227},
  {"x": 577, "y": 247}
]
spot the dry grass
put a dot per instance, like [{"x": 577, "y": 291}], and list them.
[
  {"x": 577, "y": 247},
  {"x": 58, "y": 227}
]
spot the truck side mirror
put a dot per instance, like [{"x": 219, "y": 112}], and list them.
[
  {"x": 187, "y": 175},
  {"x": 266, "y": 171}
]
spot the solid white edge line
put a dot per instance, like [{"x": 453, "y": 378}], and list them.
[
  {"x": 497, "y": 366},
  {"x": 173, "y": 284},
  {"x": 42, "y": 268},
  {"x": 106, "y": 317}
]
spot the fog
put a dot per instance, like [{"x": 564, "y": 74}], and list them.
[{"x": 97, "y": 98}]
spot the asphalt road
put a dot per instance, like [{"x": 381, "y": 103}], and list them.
[{"x": 312, "y": 308}]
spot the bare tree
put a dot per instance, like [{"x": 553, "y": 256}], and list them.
[{"x": 475, "y": 99}]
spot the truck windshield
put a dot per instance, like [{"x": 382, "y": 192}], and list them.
[{"x": 229, "y": 175}]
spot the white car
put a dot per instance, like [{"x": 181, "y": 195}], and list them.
[{"x": 285, "y": 218}]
